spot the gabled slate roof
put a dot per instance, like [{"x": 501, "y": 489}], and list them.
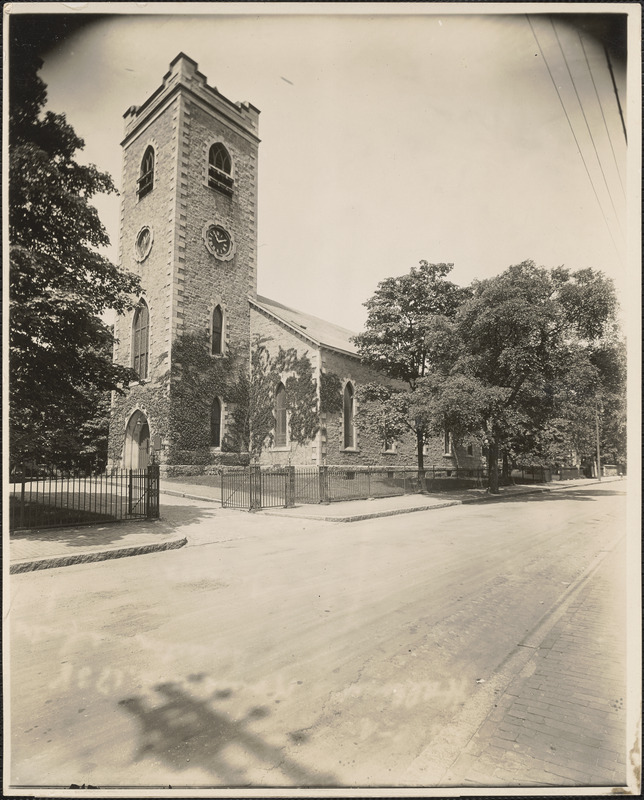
[{"x": 319, "y": 331}]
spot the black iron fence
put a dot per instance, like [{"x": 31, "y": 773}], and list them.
[
  {"x": 271, "y": 487},
  {"x": 358, "y": 483},
  {"x": 531, "y": 475},
  {"x": 41, "y": 498},
  {"x": 568, "y": 473}
]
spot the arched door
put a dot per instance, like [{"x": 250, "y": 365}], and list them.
[
  {"x": 136, "y": 451},
  {"x": 144, "y": 446}
]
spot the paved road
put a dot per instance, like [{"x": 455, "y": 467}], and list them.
[{"x": 274, "y": 652}]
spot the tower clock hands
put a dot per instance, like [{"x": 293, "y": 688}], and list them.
[{"x": 219, "y": 241}]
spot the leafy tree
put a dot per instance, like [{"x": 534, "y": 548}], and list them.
[
  {"x": 591, "y": 393},
  {"x": 407, "y": 325},
  {"x": 60, "y": 351},
  {"x": 517, "y": 337},
  {"x": 513, "y": 360},
  {"x": 612, "y": 401}
]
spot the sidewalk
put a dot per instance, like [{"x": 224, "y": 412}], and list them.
[
  {"x": 61, "y": 547},
  {"x": 357, "y": 510},
  {"x": 561, "y": 721}
]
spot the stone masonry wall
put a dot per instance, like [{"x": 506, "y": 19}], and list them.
[
  {"x": 156, "y": 210},
  {"x": 369, "y": 445},
  {"x": 203, "y": 281}
]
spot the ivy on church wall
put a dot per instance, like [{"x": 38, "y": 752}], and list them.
[
  {"x": 330, "y": 393},
  {"x": 261, "y": 420},
  {"x": 267, "y": 371},
  {"x": 197, "y": 378},
  {"x": 301, "y": 395}
]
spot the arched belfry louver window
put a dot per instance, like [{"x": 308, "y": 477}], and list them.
[
  {"x": 146, "y": 178},
  {"x": 215, "y": 423},
  {"x": 280, "y": 416},
  {"x": 348, "y": 408},
  {"x": 140, "y": 340},
  {"x": 220, "y": 169},
  {"x": 217, "y": 340}
]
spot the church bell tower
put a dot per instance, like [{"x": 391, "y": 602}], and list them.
[{"x": 189, "y": 229}]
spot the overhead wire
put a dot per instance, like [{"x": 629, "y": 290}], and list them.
[
  {"x": 590, "y": 133},
  {"x": 619, "y": 105},
  {"x": 601, "y": 108},
  {"x": 572, "y": 130}
]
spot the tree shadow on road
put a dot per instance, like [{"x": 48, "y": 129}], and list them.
[
  {"x": 109, "y": 532},
  {"x": 174, "y": 514},
  {"x": 542, "y": 495},
  {"x": 183, "y": 732}
]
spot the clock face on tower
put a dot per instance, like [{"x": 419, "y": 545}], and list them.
[{"x": 219, "y": 242}]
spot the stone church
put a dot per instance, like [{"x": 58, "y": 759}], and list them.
[{"x": 209, "y": 352}]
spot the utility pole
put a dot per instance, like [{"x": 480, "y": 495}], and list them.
[{"x": 599, "y": 464}]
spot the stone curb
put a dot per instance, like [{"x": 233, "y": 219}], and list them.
[
  {"x": 357, "y": 517},
  {"x": 396, "y": 511},
  {"x": 486, "y": 498},
  {"x": 190, "y": 496},
  {"x": 50, "y": 562}
]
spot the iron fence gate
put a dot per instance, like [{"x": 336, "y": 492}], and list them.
[
  {"x": 47, "y": 498},
  {"x": 143, "y": 493},
  {"x": 253, "y": 488},
  {"x": 306, "y": 487},
  {"x": 235, "y": 488}
]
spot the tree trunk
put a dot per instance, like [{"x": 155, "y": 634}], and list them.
[
  {"x": 493, "y": 465},
  {"x": 506, "y": 469},
  {"x": 420, "y": 442}
]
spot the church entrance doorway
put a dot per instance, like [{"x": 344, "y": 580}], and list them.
[{"x": 136, "y": 454}]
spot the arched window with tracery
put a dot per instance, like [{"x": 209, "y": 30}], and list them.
[
  {"x": 215, "y": 423},
  {"x": 146, "y": 177},
  {"x": 280, "y": 416},
  {"x": 217, "y": 338},
  {"x": 348, "y": 408},
  {"x": 220, "y": 169},
  {"x": 447, "y": 442},
  {"x": 141, "y": 340}
]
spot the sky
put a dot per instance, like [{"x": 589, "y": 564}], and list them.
[{"x": 391, "y": 133}]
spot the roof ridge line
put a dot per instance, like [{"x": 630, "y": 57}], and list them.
[{"x": 302, "y": 330}]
